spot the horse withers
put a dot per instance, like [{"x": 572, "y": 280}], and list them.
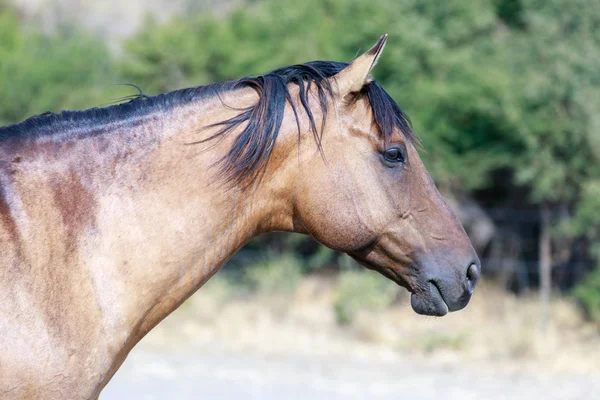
[{"x": 110, "y": 218}]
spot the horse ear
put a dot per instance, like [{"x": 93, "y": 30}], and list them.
[{"x": 352, "y": 78}]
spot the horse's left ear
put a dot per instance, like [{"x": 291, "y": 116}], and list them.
[{"x": 352, "y": 78}]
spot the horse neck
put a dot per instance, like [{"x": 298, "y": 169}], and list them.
[
  {"x": 119, "y": 225},
  {"x": 166, "y": 221}
]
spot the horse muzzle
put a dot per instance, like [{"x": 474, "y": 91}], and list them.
[{"x": 444, "y": 289}]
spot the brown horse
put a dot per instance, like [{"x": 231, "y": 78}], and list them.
[{"x": 110, "y": 218}]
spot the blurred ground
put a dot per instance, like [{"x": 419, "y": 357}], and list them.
[
  {"x": 214, "y": 373},
  {"x": 221, "y": 345},
  {"x": 110, "y": 19}
]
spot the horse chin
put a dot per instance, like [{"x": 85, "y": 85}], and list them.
[{"x": 429, "y": 302}]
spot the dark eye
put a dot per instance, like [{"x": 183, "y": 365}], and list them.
[{"x": 394, "y": 155}]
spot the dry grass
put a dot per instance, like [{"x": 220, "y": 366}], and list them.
[{"x": 495, "y": 327}]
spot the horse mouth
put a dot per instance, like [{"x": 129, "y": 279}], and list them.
[{"x": 429, "y": 301}]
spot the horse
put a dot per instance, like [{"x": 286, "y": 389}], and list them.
[{"x": 110, "y": 218}]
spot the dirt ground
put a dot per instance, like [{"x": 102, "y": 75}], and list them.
[
  {"x": 211, "y": 373},
  {"x": 271, "y": 347}
]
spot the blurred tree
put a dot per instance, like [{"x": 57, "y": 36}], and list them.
[
  {"x": 555, "y": 67},
  {"x": 69, "y": 69},
  {"x": 555, "y": 70},
  {"x": 587, "y": 223}
]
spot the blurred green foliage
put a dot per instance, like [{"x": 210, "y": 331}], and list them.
[
  {"x": 38, "y": 73},
  {"x": 587, "y": 294},
  {"x": 361, "y": 290},
  {"x": 274, "y": 274},
  {"x": 507, "y": 88},
  {"x": 587, "y": 223}
]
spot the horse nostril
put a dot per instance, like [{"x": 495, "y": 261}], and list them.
[{"x": 472, "y": 276}]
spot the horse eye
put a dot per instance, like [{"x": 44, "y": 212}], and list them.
[{"x": 394, "y": 155}]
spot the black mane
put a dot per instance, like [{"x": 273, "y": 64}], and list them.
[{"x": 253, "y": 145}]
